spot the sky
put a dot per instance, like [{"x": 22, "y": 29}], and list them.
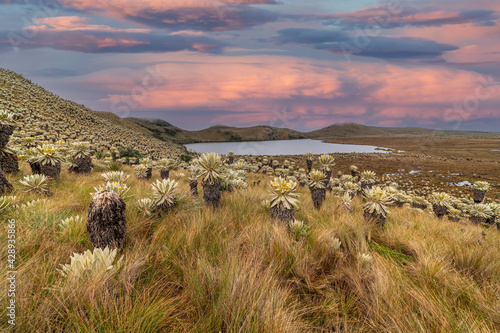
[{"x": 286, "y": 63}]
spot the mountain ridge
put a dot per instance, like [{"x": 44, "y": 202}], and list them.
[{"x": 223, "y": 133}]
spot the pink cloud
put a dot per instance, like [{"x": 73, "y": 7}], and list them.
[
  {"x": 76, "y": 23},
  {"x": 203, "y": 15},
  {"x": 250, "y": 88}
]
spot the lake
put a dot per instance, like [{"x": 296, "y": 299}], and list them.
[{"x": 281, "y": 147}]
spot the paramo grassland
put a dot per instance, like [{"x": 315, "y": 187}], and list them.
[{"x": 190, "y": 267}]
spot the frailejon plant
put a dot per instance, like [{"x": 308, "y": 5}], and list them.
[
  {"x": 420, "y": 202},
  {"x": 346, "y": 201},
  {"x": 209, "y": 165},
  {"x": 375, "y": 205},
  {"x": 480, "y": 189},
  {"x": 7, "y": 126},
  {"x": 338, "y": 191},
  {"x": 144, "y": 171},
  {"x": 346, "y": 178},
  {"x": 275, "y": 164},
  {"x": 298, "y": 228},
  {"x": 354, "y": 170},
  {"x": 91, "y": 264},
  {"x": 401, "y": 198},
  {"x": 336, "y": 243},
  {"x": 368, "y": 179},
  {"x": 71, "y": 222},
  {"x": 115, "y": 176},
  {"x": 326, "y": 164},
  {"x": 352, "y": 188},
  {"x": 480, "y": 213},
  {"x": 240, "y": 165},
  {"x": 146, "y": 206},
  {"x": 82, "y": 160},
  {"x": 495, "y": 212},
  {"x": 46, "y": 161},
  {"x": 454, "y": 215},
  {"x": 309, "y": 161},
  {"x": 106, "y": 223},
  {"x": 117, "y": 187},
  {"x": 284, "y": 199},
  {"x": 230, "y": 157},
  {"x": 164, "y": 195},
  {"x": 166, "y": 166},
  {"x": 441, "y": 203},
  {"x": 317, "y": 185},
  {"x": 37, "y": 184}
]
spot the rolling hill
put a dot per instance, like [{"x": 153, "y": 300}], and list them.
[
  {"x": 45, "y": 116},
  {"x": 219, "y": 133}
]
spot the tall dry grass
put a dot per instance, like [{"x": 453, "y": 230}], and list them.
[{"x": 235, "y": 270}]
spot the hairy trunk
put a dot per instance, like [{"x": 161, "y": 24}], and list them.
[
  {"x": 9, "y": 163},
  {"x": 83, "y": 165},
  {"x": 230, "y": 160},
  {"x": 366, "y": 185},
  {"x": 440, "y": 210},
  {"x": 281, "y": 213},
  {"x": 378, "y": 219},
  {"x": 309, "y": 165},
  {"x": 491, "y": 220},
  {"x": 479, "y": 196},
  {"x": 5, "y": 186},
  {"x": 165, "y": 207},
  {"x": 106, "y": 220},
  {"x": 165, "y": 173},
  {"x": 211, "y": 193},
  {"x": 193, "y": 184},
  {"x": 399, "y": 203},
  {"x": 419, "y": 205},
  {"x": 35, "y": 168},
  {"x": 6, "y": 131},
  {"x": 317, "y": 196},
  {"x": 477, "y": 219},
  {"x": 49, "y": 170}
]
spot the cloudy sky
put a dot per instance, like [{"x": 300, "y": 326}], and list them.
[{"x": 287, "y": 63}]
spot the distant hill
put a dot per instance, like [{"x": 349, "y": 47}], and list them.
[
  {"x": 353, "y": 130},
  {"x": 357, "y": 130},
  {"x": 218, "y": 133},
  {"x": 47, "y": 117}
]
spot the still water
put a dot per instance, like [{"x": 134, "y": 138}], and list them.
[{"x": 280, "y": 147}]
